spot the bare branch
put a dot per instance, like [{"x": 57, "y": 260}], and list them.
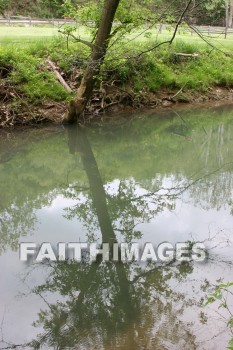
[
  {"x": 170, "y": 41},
  {"x": 197, "y": 31},
  {"x": 180, "y": 20}
]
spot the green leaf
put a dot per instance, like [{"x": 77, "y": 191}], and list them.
[{"x": 210, "y": 300}]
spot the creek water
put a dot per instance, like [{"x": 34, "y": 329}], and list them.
[{"x": 157, "y": 177}]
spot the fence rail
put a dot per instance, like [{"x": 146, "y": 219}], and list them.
[
  {"x": 28, "y": 21},
  {"x": 203, "y": 30}
]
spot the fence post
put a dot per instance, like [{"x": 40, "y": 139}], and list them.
[
  {"x": 160, "y": 28},
  {"x": 226, "y": 32}
]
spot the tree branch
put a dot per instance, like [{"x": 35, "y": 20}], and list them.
[
  {"x": 170, "y": 41},
  {"x": 180, "y": 20},
  {"x": 59, "y": 77},
  {"x": 79, "y": 40}
]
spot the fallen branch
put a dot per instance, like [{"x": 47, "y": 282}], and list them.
[
  {"x": 195, "y": 54},
  {"x": 59, "y": 77},
  {"x": 171, "y": 98},
  {"x": 110, "y": 105}
]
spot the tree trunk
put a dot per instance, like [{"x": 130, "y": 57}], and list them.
[
  {"x": 99, "y": 49},
  {"x": 230, "y": 14},
  {"x": 227, "y": 14}
]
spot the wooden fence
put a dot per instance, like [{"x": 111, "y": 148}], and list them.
[
  {"x": 28, "y": 21},
  {"x": 203, "y": 30}
]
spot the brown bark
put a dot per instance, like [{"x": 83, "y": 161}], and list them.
[
  {"x": 229, "y": 13},
  {"x": 99, "y": 49}
]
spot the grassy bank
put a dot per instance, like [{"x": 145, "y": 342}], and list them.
[{"x": 29, "y": 90}]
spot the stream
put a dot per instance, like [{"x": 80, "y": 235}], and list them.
[{"x": 164, "y": 176}]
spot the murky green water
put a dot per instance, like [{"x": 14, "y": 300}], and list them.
[{"x": 159, "y": 177}]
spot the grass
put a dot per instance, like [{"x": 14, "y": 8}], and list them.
[
  {"x": 22, "y": 32},
  {"x": 21, "y": 36},
  {"x": 24, "y": 36},
  {"x": 27, "y": 73}
]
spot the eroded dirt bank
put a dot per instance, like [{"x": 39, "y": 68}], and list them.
[{"x": 104, "y": 104}]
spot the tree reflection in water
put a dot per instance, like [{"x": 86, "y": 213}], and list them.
[{"x": 112, "y": 305}]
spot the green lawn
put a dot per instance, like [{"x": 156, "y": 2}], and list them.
[
  {"x": 21, "y": 36},
  {"x": 216, "y": 40},
  {"x": 28, "y": 35}
]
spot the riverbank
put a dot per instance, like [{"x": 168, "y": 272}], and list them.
[{"x": 179, "y": 74}]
